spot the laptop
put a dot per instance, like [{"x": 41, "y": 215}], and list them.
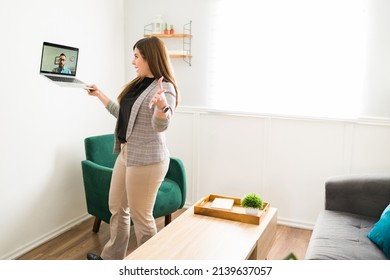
[{"x": 59, "y": 64}]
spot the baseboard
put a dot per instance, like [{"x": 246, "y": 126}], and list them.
[
  {"x": 39, "y": 241},
  {"x": 295, "y": 223}
]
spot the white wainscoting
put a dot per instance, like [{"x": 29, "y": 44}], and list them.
[{"x": 285, "y": 159}]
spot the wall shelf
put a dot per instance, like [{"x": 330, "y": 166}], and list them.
[
  {"x": 169, "y": 36},
  {"x": 186, "y": 36}
]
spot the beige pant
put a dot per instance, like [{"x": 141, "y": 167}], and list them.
[{"x": 133, "y": 193}]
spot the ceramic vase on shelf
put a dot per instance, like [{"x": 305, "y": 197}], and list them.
[{"x": 158, "y": 25}]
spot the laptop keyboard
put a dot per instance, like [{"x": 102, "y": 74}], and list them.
[{"x": 65, "y": 79}]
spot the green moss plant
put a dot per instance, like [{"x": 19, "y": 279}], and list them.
[{"x": 252, "y": 200}]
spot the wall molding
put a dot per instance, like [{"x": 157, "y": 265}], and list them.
[{"x": 360, "y": 120}]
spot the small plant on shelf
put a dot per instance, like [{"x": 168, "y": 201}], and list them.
[{"x": 252, "y": 203}]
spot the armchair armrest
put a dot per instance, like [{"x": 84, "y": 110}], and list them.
[
  {"x": 366, "y": 195},
  {"x": 176, "y": 172},
  {"x": 97, "y": 180}
]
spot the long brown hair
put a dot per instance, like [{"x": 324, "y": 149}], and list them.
[{"x": 153, "y": 50}]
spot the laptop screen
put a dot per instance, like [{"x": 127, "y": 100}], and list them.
[{"x": 59, "y": 59}]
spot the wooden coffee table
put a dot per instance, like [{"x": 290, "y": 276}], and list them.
[{"x": 196, "y": 237}]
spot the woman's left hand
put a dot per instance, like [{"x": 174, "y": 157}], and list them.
[{"x": 159, "y": 99}]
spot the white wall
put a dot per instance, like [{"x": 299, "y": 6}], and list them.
[
  {"x": 377, "y": 91},
  {"x": 43, "y": 125}
]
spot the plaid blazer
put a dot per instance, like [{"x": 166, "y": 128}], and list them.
[{"x": 146, "y": 143}]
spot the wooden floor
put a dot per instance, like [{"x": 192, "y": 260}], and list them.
[{"x": 78, "y": 241}]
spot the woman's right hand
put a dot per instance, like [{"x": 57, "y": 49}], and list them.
[{"x": 92, "y": 90}]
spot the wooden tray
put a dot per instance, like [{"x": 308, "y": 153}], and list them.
[{"x": 237, "y": 213}]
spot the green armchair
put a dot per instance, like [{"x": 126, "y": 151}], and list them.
[{"x": 97, "y": 171}]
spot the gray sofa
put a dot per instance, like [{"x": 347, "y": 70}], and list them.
[{"x": 353, "y": 204}]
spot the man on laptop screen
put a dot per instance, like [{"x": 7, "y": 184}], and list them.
[{"x": 62, "y": 69}]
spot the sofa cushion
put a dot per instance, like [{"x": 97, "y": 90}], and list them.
[
  {"x": 380, "y": 233},
  {"x": 343, "y": 236}
]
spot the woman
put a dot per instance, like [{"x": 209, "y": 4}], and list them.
[{"x": 145, "y": 108}]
